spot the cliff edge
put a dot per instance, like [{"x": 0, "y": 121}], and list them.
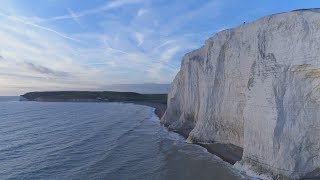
[{"x": 257, "y": 87}]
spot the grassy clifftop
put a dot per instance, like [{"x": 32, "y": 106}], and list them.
[{"x": 103, "y": 96}]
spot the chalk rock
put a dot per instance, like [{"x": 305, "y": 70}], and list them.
[{"x": 256, "y": 86}]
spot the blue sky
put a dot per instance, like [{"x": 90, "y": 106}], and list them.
[{"x": 89, "y": 44}]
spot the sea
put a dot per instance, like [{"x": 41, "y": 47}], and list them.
[{"x": 112, "y": 141}]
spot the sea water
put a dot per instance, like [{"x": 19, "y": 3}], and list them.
[{"x": 44, "y": 140}]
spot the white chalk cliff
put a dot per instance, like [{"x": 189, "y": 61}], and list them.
[{"x": 256, "y": 86}]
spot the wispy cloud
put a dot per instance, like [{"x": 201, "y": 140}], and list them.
[
  {"x": 61, "y": 61},
  {"x": 119, "y": 3},
  {"x": 14, "y": 18},
  {"x": 142, "y": 12},
  {"x": 137, "y": 47},
  {"x": 168, "y": 54},
  {"x": 44, "y": 70},
  {"x": 105, "y": 7},
  {"x": 139, "y": 38},
  {"x": 74, "y": 17}
]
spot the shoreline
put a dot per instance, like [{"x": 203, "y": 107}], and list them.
[
  {"x": 227, "y": 152},
  {"x": 159, "y": 109}
]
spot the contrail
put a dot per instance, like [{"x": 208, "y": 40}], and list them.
[
  {"x": 38, "y": 26},
  {"x": 111, "y": 5}
]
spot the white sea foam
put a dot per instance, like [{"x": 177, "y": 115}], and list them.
[{"x": 247, "y": 170}]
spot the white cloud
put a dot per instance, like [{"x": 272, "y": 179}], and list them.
[
  {"x": 32, "y": 58},
  {"x": 142, "y": 12},
  {"x": 139, "y": 38},
  {"x": 130, "y": 50},
  {"x": 119, "y": 3},
  {"x": 169, "y": 53},
  {"x": 33, "y": 62}
]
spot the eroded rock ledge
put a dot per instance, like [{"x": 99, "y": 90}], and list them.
[{"x": 256, "y": 87}]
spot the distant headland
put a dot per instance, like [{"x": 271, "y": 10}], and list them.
[{"x": 157, "y": 101}]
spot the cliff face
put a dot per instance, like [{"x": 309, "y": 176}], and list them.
[{"x": 256, "y": 86}]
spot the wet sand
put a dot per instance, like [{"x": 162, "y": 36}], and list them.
[{"x": 227, "y": 152}]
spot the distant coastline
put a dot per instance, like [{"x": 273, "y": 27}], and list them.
[{"x": 157, "y": 101}]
